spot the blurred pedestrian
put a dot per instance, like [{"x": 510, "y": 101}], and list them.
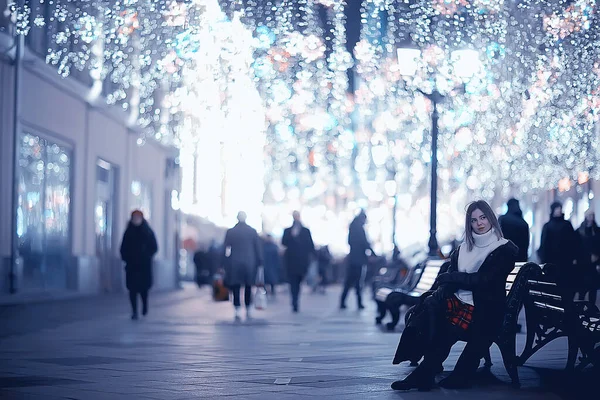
[
  {"x": 324, "y": 260},
  {"x": 203, "y": 270},
  {"x": 272, "y": 263},
  {"x": 515, "y": 229},
  {"x": 559, "y": 245},
  {"x": 590, "y": 268},
  {"x": 359, "y": 245},
  {"x": 137, "y": 250},
  {"x": 299, "y": 249},
  {"x": 243, "y": 253}
]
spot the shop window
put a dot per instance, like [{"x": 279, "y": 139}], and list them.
[
  {"x": 141, "y": 194},
  {"x": 43, "y": 211}
]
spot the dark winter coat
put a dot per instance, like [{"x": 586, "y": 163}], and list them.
[
  {"x": 559, "y": 244},
  {"x": 137, "y": 250},
  {"x": 203, "y": 268},
  {"x": 324, "y": 257},
  {"x": 272, "y": 263},
  {"x": 298, "y": 251},
  {"x": 359, "y": 244},
  {"x": 590, "y": 240},
  {"x": 246, "y": 255},
  {"x": 488, "y": 285},
  {"x": 590, "y": 244},
  {"x": 516, "y": 230}
]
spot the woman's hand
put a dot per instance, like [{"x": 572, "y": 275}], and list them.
[{"x": 444, "y": 277}]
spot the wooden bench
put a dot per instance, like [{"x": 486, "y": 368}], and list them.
[
  {"x": 391, "y": 299},
  {"x": 551, "y": 313}
]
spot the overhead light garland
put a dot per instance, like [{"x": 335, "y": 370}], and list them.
[{"x": 521, "y": 80}]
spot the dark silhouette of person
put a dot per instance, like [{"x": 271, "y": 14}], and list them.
[
  {"x": 272, "y": 263},
  {"x": 590, "y": 257},
  {"x": 515, "y": 229},
  {"x": 359, "y": 245},
  {"x": 137, "y": 250},
  {"x": 558, "y": 242},
  {"x": 560, "y": 245},
  {"x": 324, "y": 260},
  {"x": 203, "y": 268},
  {"x": 299, "y": 249}
]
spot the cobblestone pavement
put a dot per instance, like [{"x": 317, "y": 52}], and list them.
[{"x": 189, "y": 347}]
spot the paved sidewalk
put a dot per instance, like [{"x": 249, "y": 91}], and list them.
[{"x": 190, "y": 348}]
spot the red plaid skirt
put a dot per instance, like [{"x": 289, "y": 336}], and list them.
[{"x": 458, "y": 313}]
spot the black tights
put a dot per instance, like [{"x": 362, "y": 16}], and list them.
[
  {"x": 133, "y": 299},
  {"x": 447, "y": 335},
  {"x": 236, "y": 295}
]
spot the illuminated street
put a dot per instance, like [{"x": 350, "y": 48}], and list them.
[
  {"x": 436, "y": 154},
  {"x": 189, "y": 347}
]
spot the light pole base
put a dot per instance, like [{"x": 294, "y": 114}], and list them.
[{"x": 433, "y": 247}]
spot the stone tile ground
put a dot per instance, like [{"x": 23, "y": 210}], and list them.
[{"x": 190, "y": 348}]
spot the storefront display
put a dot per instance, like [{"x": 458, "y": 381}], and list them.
[{"x": 43, "y": 212}]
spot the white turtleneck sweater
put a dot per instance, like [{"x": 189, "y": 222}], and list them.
[{"x": 470, "y": 261}]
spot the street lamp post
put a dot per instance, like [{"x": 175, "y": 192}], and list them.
[
  {"x": 465, "y": 63},
  {"x": 436, "y": 98},
  {"x": 391, "y": 187}
]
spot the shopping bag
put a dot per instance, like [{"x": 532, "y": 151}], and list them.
[
  {"x": 312, "y": 277},
  {"x": 260, "y": 294},
  {"x": 260, "y": 298}
]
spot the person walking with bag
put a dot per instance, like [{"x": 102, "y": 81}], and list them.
[
  {"x": 137, "y": 249},
  {"x": 245, "y": 256}
]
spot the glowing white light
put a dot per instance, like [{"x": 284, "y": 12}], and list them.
[
  {"x": 466, "y": 63},
  {"x": 408, "y": 61}
]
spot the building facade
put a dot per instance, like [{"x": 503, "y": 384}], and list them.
[{"x": 70, "y": 174}]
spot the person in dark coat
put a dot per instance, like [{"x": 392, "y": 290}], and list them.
[
  {"x": 299, "y": 249},
  {"x": 203, "y": 268},
  {"x": 515, "y": 229},
  {"x": 324, "y": 260},
  {"x": 245, "y": 256},
  {"x": 359, "y": 245},
  {"x": 590, "y": 257},
  {"x": 272, "y": 263},
  {"x": 560, "y": 245},
  {"x": 137, "y": 250},
  {"x": 468, "y": 304}
]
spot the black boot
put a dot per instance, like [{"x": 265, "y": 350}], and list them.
[
  {"x": 455, "y": 381},
  {"x": 416, "y": 380}
]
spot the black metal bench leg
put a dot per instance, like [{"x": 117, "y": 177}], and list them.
[
  {"x": 528, "y": 349},
  {"x": 488, "y": 359},
  {"x": 572, "y": 357}
]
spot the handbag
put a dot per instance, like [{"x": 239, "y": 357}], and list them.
[
  {"x": 260, "y": 294},
  {"x": 220, "y": 291}
]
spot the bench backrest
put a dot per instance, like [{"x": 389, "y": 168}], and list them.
[
  {"x": 510, "y": 280},
  {"x": 546, "y": 292},
  {"x": 429, "y": 275}
]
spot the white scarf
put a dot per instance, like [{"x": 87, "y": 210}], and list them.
[{"x": 470, "y": 261}]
